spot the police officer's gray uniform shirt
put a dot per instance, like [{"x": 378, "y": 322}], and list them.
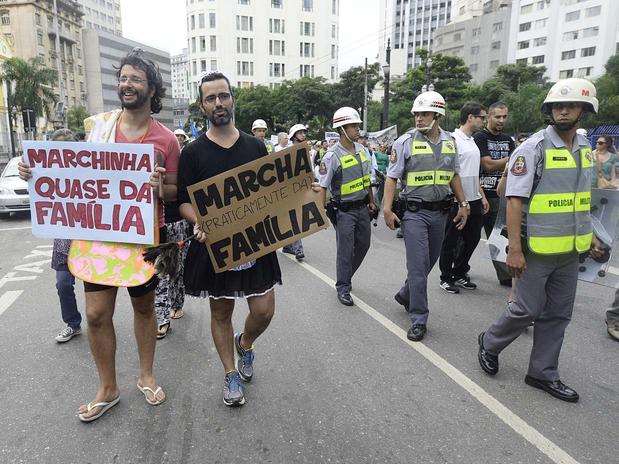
[
  {"x": 545, "y": 292},
  {"x": 401, "y": 151},
  {"x": 353, "y": 226}
]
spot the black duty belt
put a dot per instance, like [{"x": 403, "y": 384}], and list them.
[
  {"x": 416, "y": 205},
  {"x": 350, "y": 205}
]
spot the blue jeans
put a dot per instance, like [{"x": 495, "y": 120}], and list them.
[{"x": 68, "y": 306}]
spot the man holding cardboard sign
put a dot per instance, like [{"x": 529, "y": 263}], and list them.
[{"x": 232, "y": 185}]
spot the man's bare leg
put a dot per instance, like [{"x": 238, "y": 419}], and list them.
[
  {"x": 145, "y": 330},
  {"x": 261, "y": 310},
  {"x": 102, "y": 339},
  {"x": 223, "y": 333}
]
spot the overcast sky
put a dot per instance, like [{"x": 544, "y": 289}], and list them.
[{"x": 162, "y": 24}]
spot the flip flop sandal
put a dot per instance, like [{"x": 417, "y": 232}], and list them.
[
  {"x": 161, "y": 332},
  {"x": 178, "y": 314},
  {"x": 146, "y": 390},
  {"x": 104, "y": 405}
]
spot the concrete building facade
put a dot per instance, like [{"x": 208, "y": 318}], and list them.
[
  {"x": 30, "y": 25},
  {"x": 409, "y": 25},
  {"x": 262, "y": 42},
  {"x": 180, "y": 87},
  {"x": 571, "y": 38},
  {"x": 103, "y": 52},
  {"x": 481, "y": 41},
  {"x": 102, "y": 15}
]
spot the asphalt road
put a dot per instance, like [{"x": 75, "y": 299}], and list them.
[{"x": 333, "y": 384}]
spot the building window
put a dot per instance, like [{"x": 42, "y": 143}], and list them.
[
  {"x": 308, "y": 5},
  {"x": 193, "y": 22},
  {"x": 524, "y": 9},
  {"x": 525, "y": 27},
  {"x": 538, "y": 42},
  {"x": 568, "y": 55},
  {"x": 243, "y": 2},
  {"x": 194, "y": 65},
  {"x": 201, "y": 21},
  {"x": 211, "y": 20},
  {"x": 591, "y": 31},
  {"x": 37, "y": 18},
  {"x": 584, "y": 72},
  {"x": 307, "y": 28},
  {"x": 572, "y": 16},
  {"x": 571, "y": 35},
  {"x": 566, "y": 73},
  {"x": 540, "y": 23},
  {"x": 213, "y": 43},
  {"x": 475, "y": 50},
  {"x": 193, "y": 45},
  {"x": 306, "y": 49},
  {"x": 496, "y": 45},
  {"x": 334, "y": 5},
  {"x": 333, "y": 31},
  {"x": 496, "y": 27},
  {"x": 476, "y": 31},
  {"x": 593, "y": 11},
  {"x": 202, "y": 65},
  {"x": 202, "y": 43},
  {"x": 6, "y": 19},
  {"x": 245, "y": 68},
  {"x": 244, "y": 23},
  {"x": 522, "y": 61},
  {"x": 473, "y": 68},
  {"x": 213, "y": 65},
  {"x": 333, "y": 52},
  {"x": 589, "y": 51},
  {"x": 277, "y": 3},
  {"x": 306, "y": 70},
  {"x": 332, "y": 72},
  {"x": 457, "y": 37},
  {"x": 277, "y": 47},
  {"x": 276, "y": 26},
  {"x": 539, "y": 59},
  {"x": 540, "y": 5},
  {"x": 277, "y": 69},
  {"x": 40, "y": 38},
  {"x": 523, "y": 44}
]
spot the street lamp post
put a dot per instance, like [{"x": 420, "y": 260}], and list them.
[
  {"x": 12, "y": 121},
  {"x": 386, "y": 70}
]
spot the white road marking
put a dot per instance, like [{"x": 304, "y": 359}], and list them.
[
  {"x": 8, "y": 298},
  {"x": 513, "y": 421},
  {"x": 15, "y": 228}
]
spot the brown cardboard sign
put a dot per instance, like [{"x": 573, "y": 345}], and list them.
[{"x": 258, "y": 207}]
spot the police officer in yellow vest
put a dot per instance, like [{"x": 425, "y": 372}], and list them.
[
  {"x": 548, "y": 224},
  {"x": 259, "y": 129},
  {"x": 345, "y": 170},
  {"x": 426, "y": 162}
]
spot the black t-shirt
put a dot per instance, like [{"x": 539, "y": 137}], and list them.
[
  {"x": 497, "y": 146},
  {"x": 203, "y": 159}
]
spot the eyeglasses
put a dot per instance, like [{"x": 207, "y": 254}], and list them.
[
  {"x": 223, "y": 97},
  {"x": 599, "y": 142},
  {"x": 131, "y": 80}
]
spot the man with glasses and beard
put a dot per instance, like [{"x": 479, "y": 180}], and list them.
[
  {"x": 140, "y": 90},
  {"x": 222, "y": 148}
]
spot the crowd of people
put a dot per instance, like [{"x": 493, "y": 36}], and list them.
[{"x": 439, "y": 188}]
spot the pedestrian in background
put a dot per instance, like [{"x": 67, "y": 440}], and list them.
[
  {"x": 65, "y": 282},
  {"x": 605, "y": 161},
  {"x": 282, "y": 141}
]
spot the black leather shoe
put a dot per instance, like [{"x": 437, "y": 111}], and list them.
[
  {"x": 556, "y": 388},
  {"x": 416, "y": 332},
  {"x": 401, "y": 301},
  {"x": 489, "y": 362},
  {"x": 345, "y": 299},
  {"x": 300, "y": 256}
]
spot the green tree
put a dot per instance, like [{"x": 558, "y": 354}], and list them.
[
  {"x": 32, "y": 82},
  {"x": 513, "y": 76},
  {"x": 349, "y": 90},
  {"x": 450, "y": 77},
  {"x": 75, "y": 119},
  {"x": 607, "y": 87},
  {"x": 253, "y": 103}
]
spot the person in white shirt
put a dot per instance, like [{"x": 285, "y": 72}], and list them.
[
  {"x": 455, "y": 256},
  {"x": 282, "y": 141}
]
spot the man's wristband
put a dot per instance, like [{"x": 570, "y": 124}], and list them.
[{"x": 463, "y": 204}]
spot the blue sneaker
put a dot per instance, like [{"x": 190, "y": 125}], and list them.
[
  {"x": 245, "y": 363},
  {"x": 233, "y": 391}
]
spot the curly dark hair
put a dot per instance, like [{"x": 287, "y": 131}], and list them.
[{"x": 137, "y": 59}]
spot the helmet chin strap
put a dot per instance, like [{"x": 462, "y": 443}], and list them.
[
  {"x": 425, "y": 130},
  {"x": 566, "y": 126},
  {"x": 346, "y": 135}
]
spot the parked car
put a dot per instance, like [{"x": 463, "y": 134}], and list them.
[{"x": 13, "y": 191}]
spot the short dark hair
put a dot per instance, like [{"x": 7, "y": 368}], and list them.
[
  {"x": 64, "y": 134},
  {"x": 496, "y": 105},
  {"x": 213, "y": 76},
  {"x": 137, "y": 59},
  {"x": 470, "y": 108}
]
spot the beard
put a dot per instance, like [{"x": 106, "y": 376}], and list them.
[
  {"x": 223, "y": 120},
  {"x": 565, "y": 126},
  {"x": 140, "y": 101}
]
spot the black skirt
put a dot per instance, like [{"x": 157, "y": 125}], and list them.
[{"x": 202, "y": 280}]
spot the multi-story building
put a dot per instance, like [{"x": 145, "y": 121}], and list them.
[
  {"x": 6, "y": 148},
  {"x": 31, "y": 26},
  {"x": 410, "y": 25},
  {"x": 481, "y": 41},
  {"x": 262, "y": 42},
  {"x": 462, "y": 10},
  {"x": 571, "y": 38},
  {"x": 180, "y": 75},
  {"x": 102, "y": 15},
  {"x": 103, "y": 51}
]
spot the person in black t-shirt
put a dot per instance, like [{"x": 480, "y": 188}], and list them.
[
  {"x": 222, "y": 148},
  {"x": 495, "y": 148}
]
